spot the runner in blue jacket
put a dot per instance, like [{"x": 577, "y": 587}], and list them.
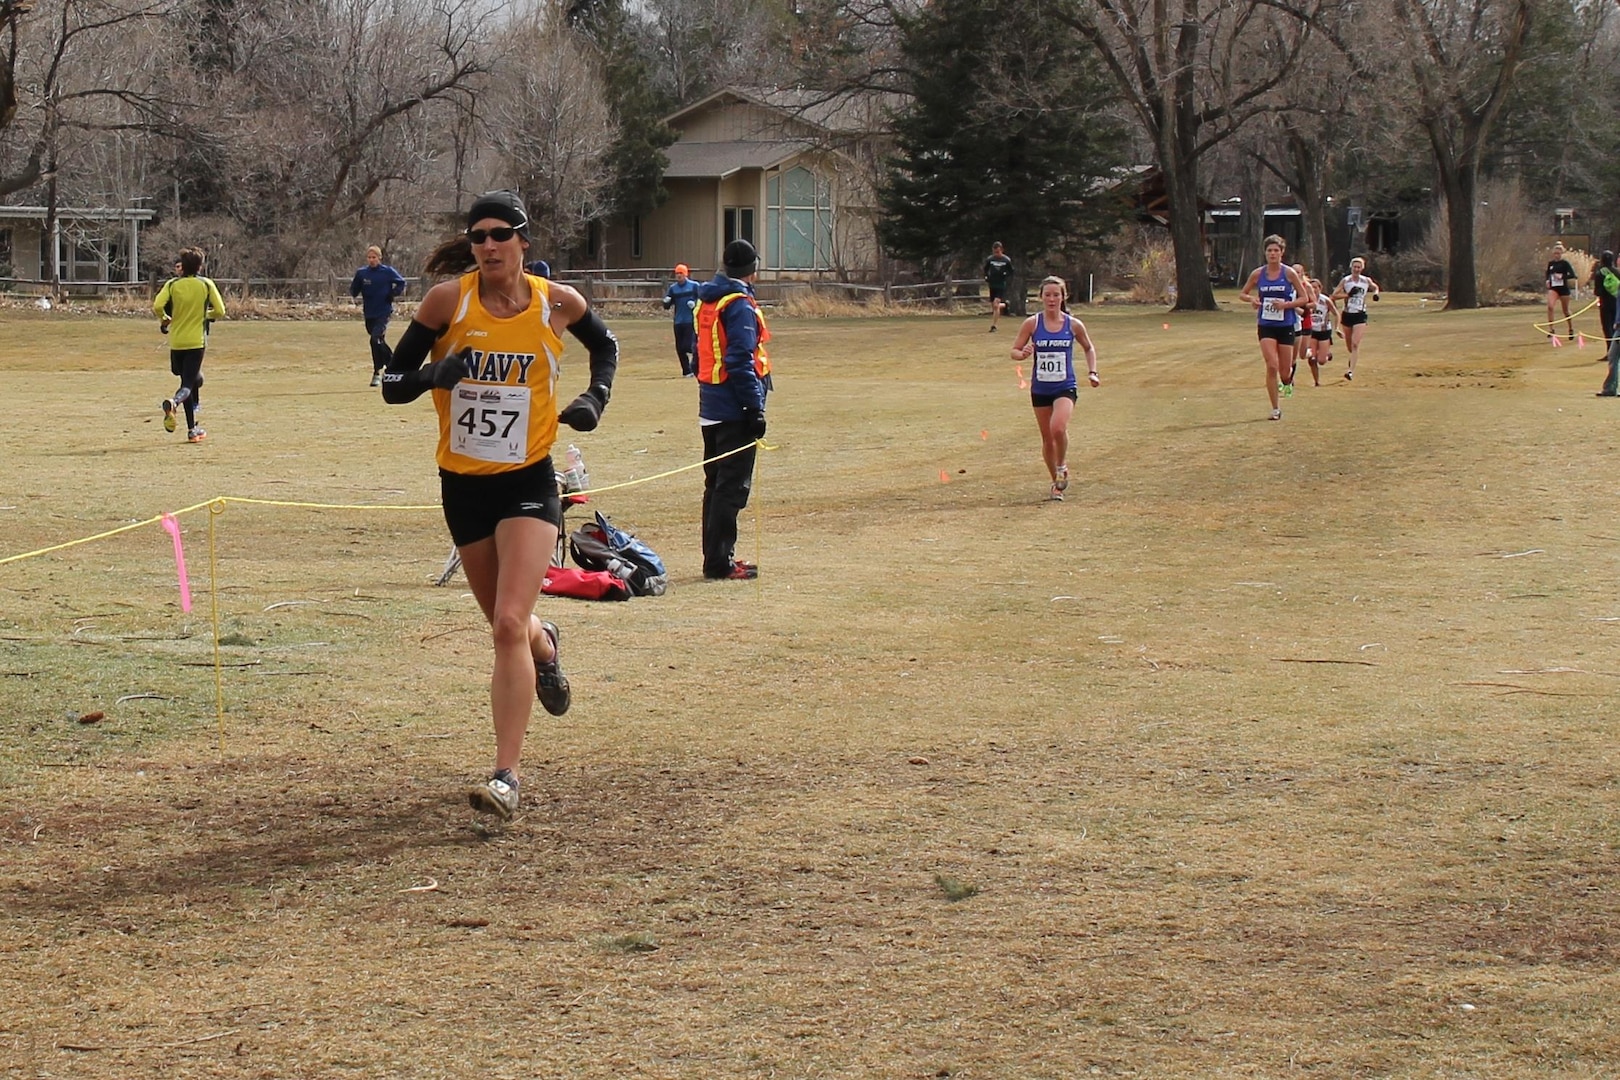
[{"x": 378, "y": 286}]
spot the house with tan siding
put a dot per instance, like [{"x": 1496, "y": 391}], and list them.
[{"x": 791, "y": 171}]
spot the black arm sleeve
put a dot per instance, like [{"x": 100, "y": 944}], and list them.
[
  {"x": 599, "y": 341},
  {"x": 404, "y": 380}
]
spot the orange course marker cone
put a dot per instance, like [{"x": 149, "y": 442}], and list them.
[
  {"x": 944, "y": 477},
  {"x": 1580, "y": 340}
]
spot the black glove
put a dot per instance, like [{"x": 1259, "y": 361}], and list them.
[
  {"x": 754, "y": 423},
  {"x": 583, "y": 413},
  {"x": 449, "y": 371}
]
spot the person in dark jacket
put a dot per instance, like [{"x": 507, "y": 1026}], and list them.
[
  {"x": 734, "y": 376},
  {"x": 682, "y": 299},
  {"x": 378, "y": 286},
  {"x": 1606, "y": 287}
]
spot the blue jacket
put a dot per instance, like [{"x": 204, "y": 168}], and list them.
[
  {"x": 743, "y": 389},
  {"x": 683, "y": 299},
  {"x": 377, "y": 289}
]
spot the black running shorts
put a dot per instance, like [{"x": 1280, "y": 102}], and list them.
[
  {"x": 474, "y": 505},
  {"x": 1282, "y": 335},
  {"x": 1046, "y": 401}
]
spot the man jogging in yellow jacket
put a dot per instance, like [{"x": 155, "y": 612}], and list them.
[{"x": 187, "y": 304}]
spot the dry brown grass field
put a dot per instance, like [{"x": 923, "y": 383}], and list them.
[{"x": 1277, "y": 749}]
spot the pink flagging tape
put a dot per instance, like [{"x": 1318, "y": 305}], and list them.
[{"x": 172, "y": 526}]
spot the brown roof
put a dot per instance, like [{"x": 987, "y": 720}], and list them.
[
  {"x": 717, "y": 160},
  {"x": 844, "y": 113}
]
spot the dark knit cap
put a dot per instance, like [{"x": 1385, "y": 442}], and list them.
[
  {"x": 740, "y": 259},
  {"x": 501, "y": 205}
]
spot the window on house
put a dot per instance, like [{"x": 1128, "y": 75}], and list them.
[
  {"x": 1383, "y": 235},
  {"x": 739, "y": 223},
  {"x": 798, "y": 219},
  {"x": 635, "y": 237},
  {"x": 86, "y": 264}
]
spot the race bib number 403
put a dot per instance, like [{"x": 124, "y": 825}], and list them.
[{"x": 490, "y": 423}]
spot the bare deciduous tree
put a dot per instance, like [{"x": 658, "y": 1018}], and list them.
[
  {"x": 547, "y": 115},
  {"x": 1194, "y": 72},
  {"x": 318, "y": 104},
  {"x": 1462, "y": 56},
  {"x": 73, "y": 64}
]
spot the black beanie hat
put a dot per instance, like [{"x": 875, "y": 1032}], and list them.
[
  {"x": 501, "y": 205},
  {"x": 740, "y": 259}
]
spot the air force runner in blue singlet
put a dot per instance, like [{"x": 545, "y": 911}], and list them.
[
  {"x": 1053, "y": 362},
  {"x": 1275, "y": 317}
]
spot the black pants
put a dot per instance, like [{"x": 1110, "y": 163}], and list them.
[
  {"x": 686, "y": 347},
  {"x": 377, "y": 330},
  {"x": 1606, "y": 305},
  {"x": 186, "y": 365},
  {"x": 726, "y": 484}
]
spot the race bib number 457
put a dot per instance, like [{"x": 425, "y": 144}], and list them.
[{"x": 490, "y": 423}]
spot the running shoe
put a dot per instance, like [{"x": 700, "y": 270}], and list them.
[
  {"x": 376, "y": 377},
  {"x": 168, "y": 414},
  {"x": 1276, "y": 414},
  {"x": 196, "y": 434},
  {"x": 1349, "y": 376},
  {"x": 1062, "y": 482},
  {"x": 498, "y": 795},
  {"x": 550, "y": 684},
  {"x": 1056, "y": 494},
  {"x": 1287, "y": 389},
  {"x": 740, "y": 571}
]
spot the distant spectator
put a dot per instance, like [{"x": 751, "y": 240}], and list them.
[
  {"x": 1606, "y": 287},
  {"x": 682, "y": 298}
]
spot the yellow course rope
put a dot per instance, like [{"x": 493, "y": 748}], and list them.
[
  {"x": 1548, "y": 326},
  {"x": 217, "y": 505}
]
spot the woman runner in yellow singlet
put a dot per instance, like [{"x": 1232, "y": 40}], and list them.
[{"x": 494, "y": 338}]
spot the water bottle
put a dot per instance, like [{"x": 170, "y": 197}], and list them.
[{"x": 576, "y": 478}]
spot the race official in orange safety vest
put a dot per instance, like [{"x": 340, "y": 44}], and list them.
[{"x": 733, "y": 376}]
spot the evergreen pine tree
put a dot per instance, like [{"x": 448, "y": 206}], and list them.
[{"x": 1008, "y": 137}]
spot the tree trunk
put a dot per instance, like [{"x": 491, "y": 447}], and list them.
[
  {"x": 1187, "y": 237},
  {"x": 1462, "y": 288},
  {"x": 1252, "y": 222},
  {"x": 1309, "y": 195}
]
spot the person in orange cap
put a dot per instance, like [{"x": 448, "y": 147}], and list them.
[{"x": 682, "y": 299}]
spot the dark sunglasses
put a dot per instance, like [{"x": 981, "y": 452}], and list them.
[{"x": 500, "y": 234}]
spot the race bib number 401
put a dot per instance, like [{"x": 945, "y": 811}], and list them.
[
  {"x": 1271, "y": 309},
  {"x": 1051, "y": 366},
  {"x": 490, "y": 423}
]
